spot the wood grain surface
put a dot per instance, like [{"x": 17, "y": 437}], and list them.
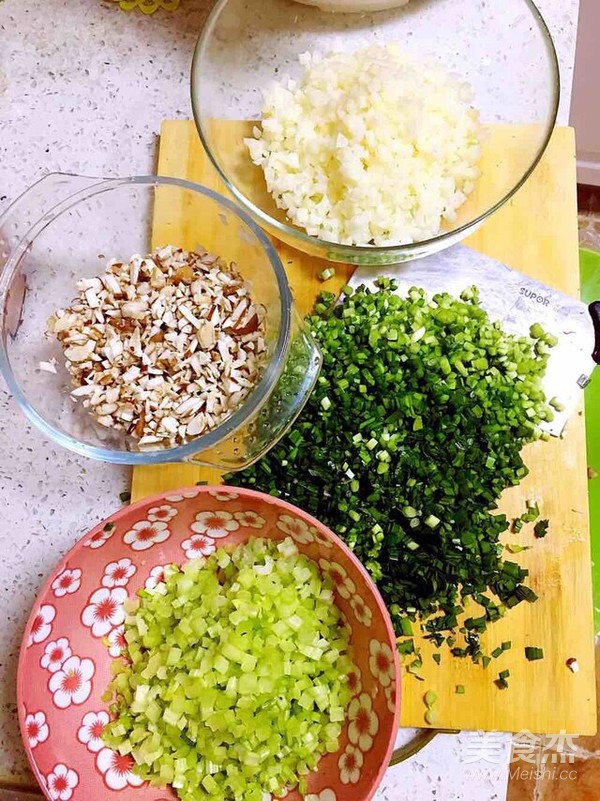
[{"x": 536, "y": 233}]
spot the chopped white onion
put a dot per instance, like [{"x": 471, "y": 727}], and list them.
[{"x": 369, "y": 147}]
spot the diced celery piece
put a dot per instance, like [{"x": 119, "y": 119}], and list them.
[{"x": 234, "y": 678}]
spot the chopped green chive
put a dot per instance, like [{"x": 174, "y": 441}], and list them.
[
  {"x": 541, "y": 528},
  {"x": 430, "y": 698},
  {"x": 514, "y": 548},
  {"x": 460, "y": 689},
  {"x": 532, "y": 653},
  {"x": 406, "y": 627},
  {"x": 327, "y": 273},
  {"x": 431, "y": 404},
  {"x": 125, "y": 497}
]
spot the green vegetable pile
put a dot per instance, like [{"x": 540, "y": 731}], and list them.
[
  {"x": 235, "y": 675},
  {"x": 414, "y": 430}
]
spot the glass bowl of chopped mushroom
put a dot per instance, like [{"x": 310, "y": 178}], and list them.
[
  {"x": 147, "y": 320},
  {"x": 376, "y": 137}
]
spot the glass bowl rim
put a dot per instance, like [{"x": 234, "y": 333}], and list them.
[
  {"x": 290, "y": 232},
  {"x": 252, "y": 403}
]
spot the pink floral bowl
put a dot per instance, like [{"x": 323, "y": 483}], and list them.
[{"x": 75, "y": 631}]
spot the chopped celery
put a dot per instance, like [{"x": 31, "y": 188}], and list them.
[{"x": 234, "y": 680}]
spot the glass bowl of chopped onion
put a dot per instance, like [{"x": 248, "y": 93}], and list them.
[
  {"x": 148, "y": 320},
  {"x": 376, "y": 137}
]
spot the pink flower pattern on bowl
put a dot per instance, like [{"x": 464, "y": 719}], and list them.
[
  {"x": 145, "y": 534},
  {"x": 342, "y": 581},
  {"x": 250, "y": 519},
  {"x": 381, "y": 662},
  {"x": 198, "y": 545},
  {"x": 116, "y": 770},
  {"x": 41, "y": 625},
  {"x": 36, "y": 729},
  {"x": 55, "y": 654},
  {"x": 390, "y": 696},
  {"x": 215, "y": 524},
  {"x": 361, "y": 610},
  {"x": 61, "y": 782},
  {"x": 324, "y": 795},
  {"x": 364, "y": 723},
  {"x": 76, "y": 629},
  {"x": 104, "y": 610},
  {"x": 350, "y": 764},
  {"x": 68, "y": 582},
  {"x": 72, "y": 684},
  {"x": 91, "y": 730},
  {"x": 99, "y": 538},
  {"x": 223, "y": 496},
  {"x": 162, "y": 513},
  {"x": 157, "y": 576},
  {"x": 117, "y": 574},
  {"x": 182, "y": 495},
  {"x": 298, "y": 530},
  {"x": 116, "y": 641}
]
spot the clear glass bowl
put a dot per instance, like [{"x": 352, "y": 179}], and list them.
[
  {"x": 65, "y": 228},
  {"x": 502, "y": 49}
]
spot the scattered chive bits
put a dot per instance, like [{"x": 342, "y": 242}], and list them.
[
  {"x": 327, "y": 273},
  {"x": 460, "y": 689},
  {"x": 533, "y": 654},
  {"x": 430, "y": 698},
  {"x": 532, "y": 512},
  {"x": 513, "y": 548},
  {"x": 413, "y": 431},
  {"x": 501, "y": 682},
  {"x": 541, "y": 529},
  {"x": 234, "y": 678}
]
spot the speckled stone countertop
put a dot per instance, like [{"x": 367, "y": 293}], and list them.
[{"x": 83, "y": 88}]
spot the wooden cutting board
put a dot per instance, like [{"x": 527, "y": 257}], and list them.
[{"x": 535, "y": 233}]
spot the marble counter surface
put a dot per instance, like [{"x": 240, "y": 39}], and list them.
[{"x": 83, "y": 88}]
